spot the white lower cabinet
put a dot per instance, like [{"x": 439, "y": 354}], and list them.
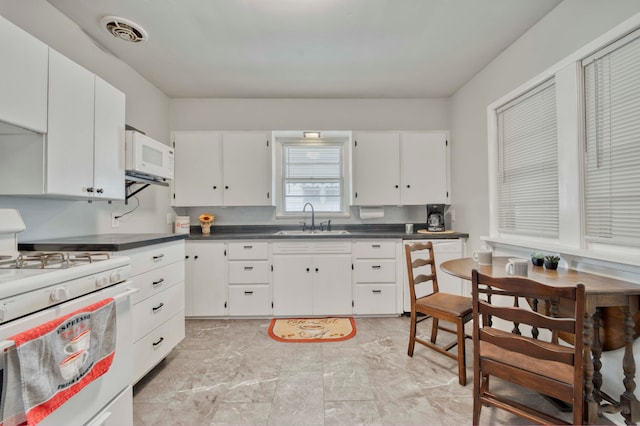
[
  {"x": 376, "y": 277},
  {"x": 157, "y": 271},
  {"x": 205, "y": 281},
  {"x": 119, "y": 412},
  {"x": 316, "y": 281},
  {"x": 248, "y": 278}
]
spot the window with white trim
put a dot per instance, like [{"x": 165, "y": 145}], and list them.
[
  {"x": 312, "y": 172},
  {"x": 612, "y": 143},
  {"x": 527, "y": 181}
]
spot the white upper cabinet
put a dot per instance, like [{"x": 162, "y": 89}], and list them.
[
  {"x": 70, "y": 135},
  {"x": 376, "y": 168},
  {"x": 222, "y": 169},
  {"x": 246, "y": 168},
  {"x": 197, "y": 169},
  {"x": 399, "y": 168},
  {"x": 109, "y": 134},
  {"x": 423, "y": 165},
  {"x": 23, "y": 78},
  {"x": 82, "y": 154}
]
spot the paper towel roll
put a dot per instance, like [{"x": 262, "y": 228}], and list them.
[{"x": 371, "y": 212}]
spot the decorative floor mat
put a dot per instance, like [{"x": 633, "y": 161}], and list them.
[{"x": 331, "y": 329}]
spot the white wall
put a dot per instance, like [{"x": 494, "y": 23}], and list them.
[
  {"x": 307, "y": 114},
  {"x": 147, "y": 109},
  {"x": 572, "y": 24}
]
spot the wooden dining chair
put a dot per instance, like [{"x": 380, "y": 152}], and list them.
[
  {"x": 529, "y": 355},
  {"x": 436, "y": 305}
]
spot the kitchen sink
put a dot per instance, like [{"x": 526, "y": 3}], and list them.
[{"x": 293, "y": 233}]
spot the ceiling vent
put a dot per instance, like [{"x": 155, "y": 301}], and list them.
[{"x": 124, "y": 29}]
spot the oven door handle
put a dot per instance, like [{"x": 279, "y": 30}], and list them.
[{"x": 6, "y": 344}]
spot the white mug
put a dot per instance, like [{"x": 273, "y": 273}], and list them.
[
  {"x": 517, "y": 266},
  {"x": 71, "y": 365},
  {"x": 483, "y": 256},
  {"x": 80, "y": 342}
]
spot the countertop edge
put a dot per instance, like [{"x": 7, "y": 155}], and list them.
[{"x": 106, "y": 242}]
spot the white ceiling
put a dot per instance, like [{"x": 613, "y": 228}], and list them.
[{"x": 310, "y": 48}]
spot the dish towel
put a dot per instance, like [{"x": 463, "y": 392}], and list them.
[{"x": 54, "y": 361}]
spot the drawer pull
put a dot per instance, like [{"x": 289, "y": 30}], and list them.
[
  {"x": 376, "y": 266},
  {"x": 248, "y": 268},
  {"x": 248, "y": 247},
  {"x": 158, "y": 342},
  {"x": 160, "y": 281},
  {"x": 158, "y": 257},
  {"x": 248, "y": 293},
  {"x": 376, "y": 291},
  {"x": 157, "y": 308},
  {"x": 375, "y": 246}
]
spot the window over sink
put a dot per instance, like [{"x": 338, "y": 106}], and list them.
[{"x": 312, "y": 170}]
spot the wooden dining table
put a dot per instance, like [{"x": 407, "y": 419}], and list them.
[{"x": 601, "y": 293}]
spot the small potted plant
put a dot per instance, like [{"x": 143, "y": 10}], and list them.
[
  {"x": 537, "y": 259},
  {"x": 205, "y": 222},
  {"x": 551, "y": 261}
]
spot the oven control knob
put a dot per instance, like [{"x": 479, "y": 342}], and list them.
[
  {"x": 102, "y": 281},
  {"x": 115, "y": 277},
  {"x": 59, "y": 294}
]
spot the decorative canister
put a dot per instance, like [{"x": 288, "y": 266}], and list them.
[{"x": 182, "y": 225}]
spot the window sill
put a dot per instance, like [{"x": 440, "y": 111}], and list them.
[{"x": 609, "y": 262}]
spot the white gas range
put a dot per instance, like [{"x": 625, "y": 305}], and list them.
[{"x": 41, "y": 288}]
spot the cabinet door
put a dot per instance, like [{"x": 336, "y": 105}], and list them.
[
  {"x": 332, "y": 294},
  {"x": 247, "y": 169},
  {"x": 197, "y": 169},
  {"x": 205, "y": 278},
  {"x": 23, "y": 78},
  {"x": 70, "y": 135},
  {"x": 292, "y": 285},
  {"x": 108, "y": 166},
  {"x": 376, "y": 169},
  {"x": 423, "y": 168}
]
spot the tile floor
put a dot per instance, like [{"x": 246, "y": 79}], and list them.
[{"x": 231, "y": 372}]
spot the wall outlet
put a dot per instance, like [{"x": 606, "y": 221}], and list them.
[
  {"x": 115, "y": 221},
  {"x": 452, "y": 212},
  {"x": 169, "y": 218}
]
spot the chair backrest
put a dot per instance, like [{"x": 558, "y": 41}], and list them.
[
  {"x": 424, "y": 257},
  {"x": 540, "y": 353}
]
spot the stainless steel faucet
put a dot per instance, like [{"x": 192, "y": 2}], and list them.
[{"x": 313, "y": 215}]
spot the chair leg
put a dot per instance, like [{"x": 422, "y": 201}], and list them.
[
  {"x": 434, "y": 329},
  {"x": 477, "y": 406},
  {"x": 412, "y": 334},
  {"x": 462, "y": 360}
]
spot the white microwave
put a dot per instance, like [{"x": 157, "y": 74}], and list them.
[{"x": 147, "y": 157}]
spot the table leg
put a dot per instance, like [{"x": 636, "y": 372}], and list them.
[
  {"x": 590, "y": 404},
  {"x": 630, "y": 406},
  {"x": 596, "y": 351}
]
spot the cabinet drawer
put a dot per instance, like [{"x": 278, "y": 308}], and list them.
[
  {"x": 248, "y": 250},
  {"x": 374, "y": 249},
  {"x": 157, "y": 280},
  {"x": 248, "y": 272},
  {"x": 155, "y": 310},
  {"x": 249, "y": 300},
  {"x": 375, "y": 271},
  {"x": 153, "y": 347},
  {"x": 375, "y": 299},
  {"x": 144, "y": 259}
]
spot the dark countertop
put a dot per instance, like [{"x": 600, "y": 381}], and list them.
[
  {"x": 267, "y": 232},
  {"x": 101, "y": 242},
  {"x": 119, "y": 242}
]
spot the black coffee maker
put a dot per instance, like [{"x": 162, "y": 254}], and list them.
[{"x": 435, "y": 217}]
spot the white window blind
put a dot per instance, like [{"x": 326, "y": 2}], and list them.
[
  {"x": 612, "y": 143},
  {"x": 312, "y": 173},
  {"x": 528, "y": 164}
]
